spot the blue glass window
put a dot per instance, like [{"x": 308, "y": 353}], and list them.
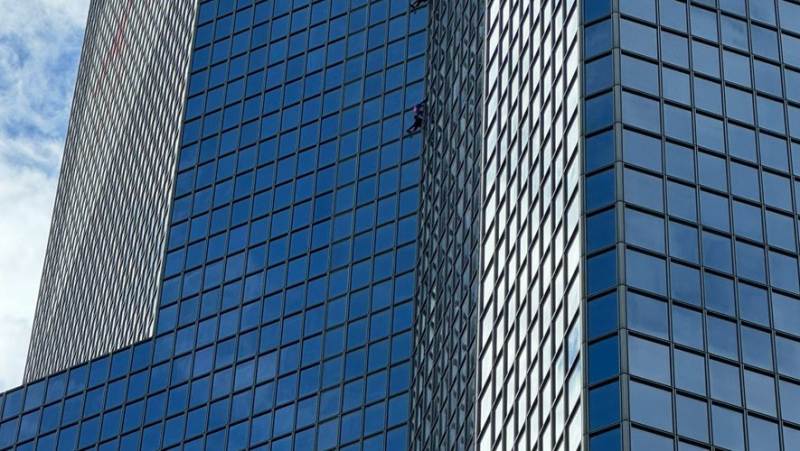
[
  {"x": 649, "y": 360},
  {"x": 675, "y": 48},
  {"x": 716, "y": 251},
  {"x": 692, "y": 417},
  {"x": 646, "y": 272},
  {"x": 638, "y": 38},
  {"x": 783, "y": 272},
  {"x": 599, "y": 112},
  {"x": 725, "y": 382},
  {"x": 685, "y": 284},
  {"x": 604, "y": 405},
  {"x": 727, "y": 427},
  {"x": 719, "y": 294},
  {"x": 639, "y": 74},
  {"x": 690, "y": 372},
  {"x": 687, "y": 327},
  {"x": 682, "y": 201},
  {"x": 644, "y": 190},
  {"x": 597, "y": 39},
  {"x": 603, "y": 360},
  {"x": 641, "y": 112},
  {"x": 602, "y": 315},
  {"x": 599, "y": 75},
  {"x": 683, "y": 242},
  {"x": 651, "y": 406},
  {"x": 647, "y": 315},
  {"x": 642, "y": 150},
  {"x": 644, "y": 230}
]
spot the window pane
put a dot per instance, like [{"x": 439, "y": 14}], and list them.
[
  {"x": 643, "y": 9},
  {"x": 643, "y": 189},
  {"x": 599, "y": 112},
  {"x": 737, "y": 66},
  {"x": 788, "y": 356},
  {"x": 599, "y": 150},
  {"x": 641, "y": 439},
  {"x": 602, "y": 315},
  {"x": 601, "y": 272},
  {"x": 690, "y": 372},
  {"x": 717, "y": 251},
  {"x": 675, "y": 49},
  {"x": 719, "y": 294},
  {"x": 680, "y": 162},
  {"x": 647, "y": 315},
  {"x": 603, "y": 359},
  {"x": 714, "y": 211},
  {"x": 639, "y": 74},
  {"x": 722, "y": 338},
  {"x": 646, "y": 272},
  {"x": 692, "y": 418},
  {"x": 597, "y": 38},
  {"x": 685, "y": 284},
  {"x": 603, "y": 405},
  {"x": 687, "y": 327},
  {"x": 786, "y": 313},
  {"x": 638, "y": 38},
  {"x": 599, "y": 75},
  {"x": 757, "y": 348},
  {"x": 673, "y": 14},
  {"x": 727, "y": 425},
  {"x": 725, "y": 382},
  {"x": 642, "y": 150},
  {"x": 762, "y": 434},
  {"x": 706, "y": 59},
  {"x": 713, "y": 171},
  {"x": 649, "y": 360},
  {"x": 704, "y": 23},
  {"x": 676, "y": 85},
  {"x": 644, "y": 230},
  {"x": 750, "y": 262},
  {"x": 760, "y": 392},
  {"x": 739, "y": 105},
  {"x": 600, "y": 230},
  {"x": 747, "y": 184},
  {"x": 683, "y": 242},
  {"x": 641, "y": 112},
  {"x": 707, "y": 95},
  {"x": 790, "y": 410},
  {"x": 682, "y": 201},
  {"x": 651, "y": 406}
]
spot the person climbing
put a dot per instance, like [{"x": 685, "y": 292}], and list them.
[{"x": 419, "y": 118}]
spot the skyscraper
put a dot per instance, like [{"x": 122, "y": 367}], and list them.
[
  {"x": 691, "y": 118},
  {"x": 104, "y": 257},
  {"x": 592, "y": 245}
]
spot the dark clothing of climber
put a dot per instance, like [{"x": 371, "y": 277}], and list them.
[{"x": 419, "y": 118}]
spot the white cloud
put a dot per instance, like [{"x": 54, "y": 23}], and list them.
[{"x": 39, "y": 50}]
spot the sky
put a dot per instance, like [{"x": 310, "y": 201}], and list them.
[{"x": 40, "y": 43}]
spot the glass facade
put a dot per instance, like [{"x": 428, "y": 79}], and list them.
[
  {"x": 285, "y": 314},
  {"x": 444, "y": 357},
  {"x": 691, "y": 118},
  {"x": 104, "y": 256},
  {"x": 529, "y": 331},
  {"x": 592, "y": 245}
]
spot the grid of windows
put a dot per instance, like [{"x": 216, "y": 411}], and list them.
[
  {"x": 443, "y": 383},
  {"x": 103, "y": 262},
  {"x": 691, "y": 161},
  {"x": 286, "y": 308},
  {"x": 529, "y": 337}
]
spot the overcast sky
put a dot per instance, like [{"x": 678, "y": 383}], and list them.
[{"x": 40, "y": 43}]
